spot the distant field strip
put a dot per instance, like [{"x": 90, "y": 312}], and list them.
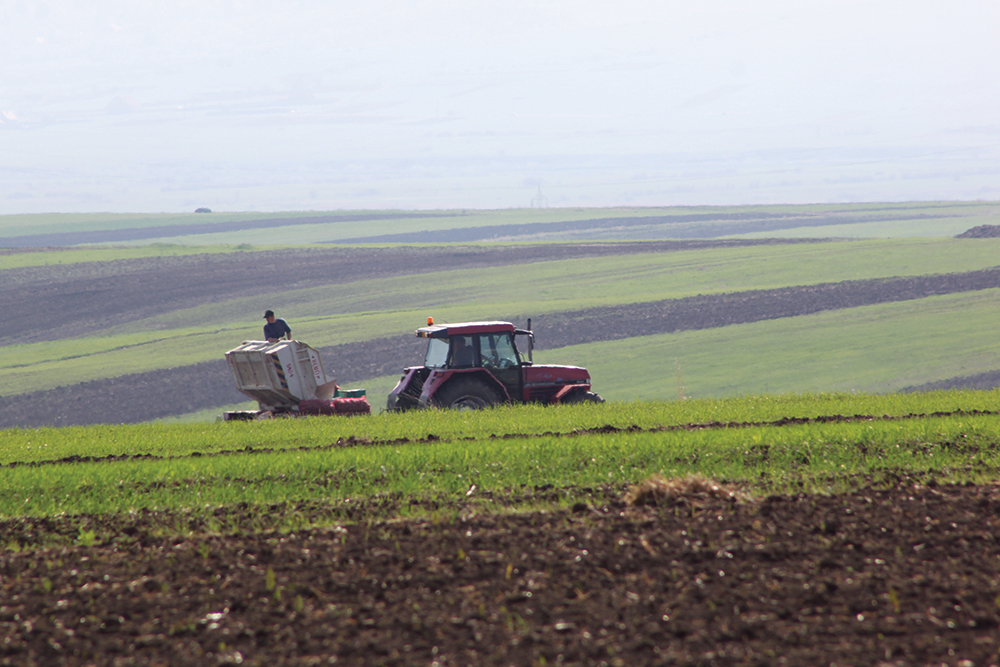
[
  {"x": 69, "y": 301},
  {"x": 182, "y": 224},
  {"x": 110, "y": 236},
  {"x": 96, "y": 321},
  {"x": 323, "y": 315},
  {"x": 711, "y": 311},
  {"x": 873, "y": 220},
  {"x": 514, "y": 231},
  {"x": 25, "y": 224},
  {"x": 145, "y": 396},
  {"x": 679, "y": 226},
  {"x": 877, "y": 348},
  {"x": 903, "y": 227},
  {"x": 217, "y": 292},
  {"x": 23, "y": 258}
]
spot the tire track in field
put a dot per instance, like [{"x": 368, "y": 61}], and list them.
[
  {"x": 163, "y": 393},
  {"x": 352, "y": 441}
]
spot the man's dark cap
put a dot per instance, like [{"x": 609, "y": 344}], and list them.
[{"x": 268, "y": 313}]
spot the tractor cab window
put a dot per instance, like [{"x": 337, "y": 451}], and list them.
[
  {"x": 437, "y": 353},
  {"x": 463, "y": 352},
  {"x": 497, "y": 351}
]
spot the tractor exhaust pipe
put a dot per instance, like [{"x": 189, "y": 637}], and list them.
[{"x": 531, "y": 343}]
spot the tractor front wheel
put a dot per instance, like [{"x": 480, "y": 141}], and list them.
[
  {"x": 583, "y": 397},
  {"x": 467, "y": 394}
]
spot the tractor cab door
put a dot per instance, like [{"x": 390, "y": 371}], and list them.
[
  {"x": 499, "y": 357},
  {"x": 463, "y": 352}
]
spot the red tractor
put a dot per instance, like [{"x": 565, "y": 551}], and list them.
[{"x": 475, "y": 365}]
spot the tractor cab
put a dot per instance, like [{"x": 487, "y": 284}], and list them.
[{"x": 487, "y": 345}]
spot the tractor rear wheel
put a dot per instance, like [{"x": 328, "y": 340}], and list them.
[
  {"x": 583, "y": 397},
  {"x": 467, "y": 394}
]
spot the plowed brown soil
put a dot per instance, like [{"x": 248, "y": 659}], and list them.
[{"x": 908, "y": 575}]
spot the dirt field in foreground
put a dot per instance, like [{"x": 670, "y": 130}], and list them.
[{"x": 905, "y": 576}]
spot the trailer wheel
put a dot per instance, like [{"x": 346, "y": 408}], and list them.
[
  {"x": 583, "y": 397},
  {"x": 467, "y": 394}
]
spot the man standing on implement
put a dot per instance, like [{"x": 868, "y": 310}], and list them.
[{"x": 275, "y": 328}]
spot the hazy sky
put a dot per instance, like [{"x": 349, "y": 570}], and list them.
[{"x": 165, "y": 106}]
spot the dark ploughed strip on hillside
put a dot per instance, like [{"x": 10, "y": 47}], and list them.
[
  {"x": 980, "y": 232},
  {"x": 710, "y": 225},
  {"x": 146, "y": 396},
  {"x": 166, "y": 231},
  {"x": 716, "y": 310},
  {"x": 73, "y": 300},
  {"x": 985, "y": 381}
]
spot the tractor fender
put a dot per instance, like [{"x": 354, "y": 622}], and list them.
[
  {"x": 565, "y": 391},
  {"x": 568, "y": 392},
  {"x": 408, "y": 375},
  {"x": 403, "y": 396},
  {"x": 439, "y": 378}
]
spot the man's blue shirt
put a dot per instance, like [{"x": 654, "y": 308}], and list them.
[{"x": 276, "y": 329}]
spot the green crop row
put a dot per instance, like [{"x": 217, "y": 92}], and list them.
[
  {"x": 178, "y": 440},
  {"x": 815, "y": 456},
  {"x": 435, "y": 453}
]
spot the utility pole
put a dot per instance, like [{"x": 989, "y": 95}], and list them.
[{"x": 540, "y": 200}]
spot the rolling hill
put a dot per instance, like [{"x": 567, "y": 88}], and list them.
[{"x": 137, "y": 331}]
